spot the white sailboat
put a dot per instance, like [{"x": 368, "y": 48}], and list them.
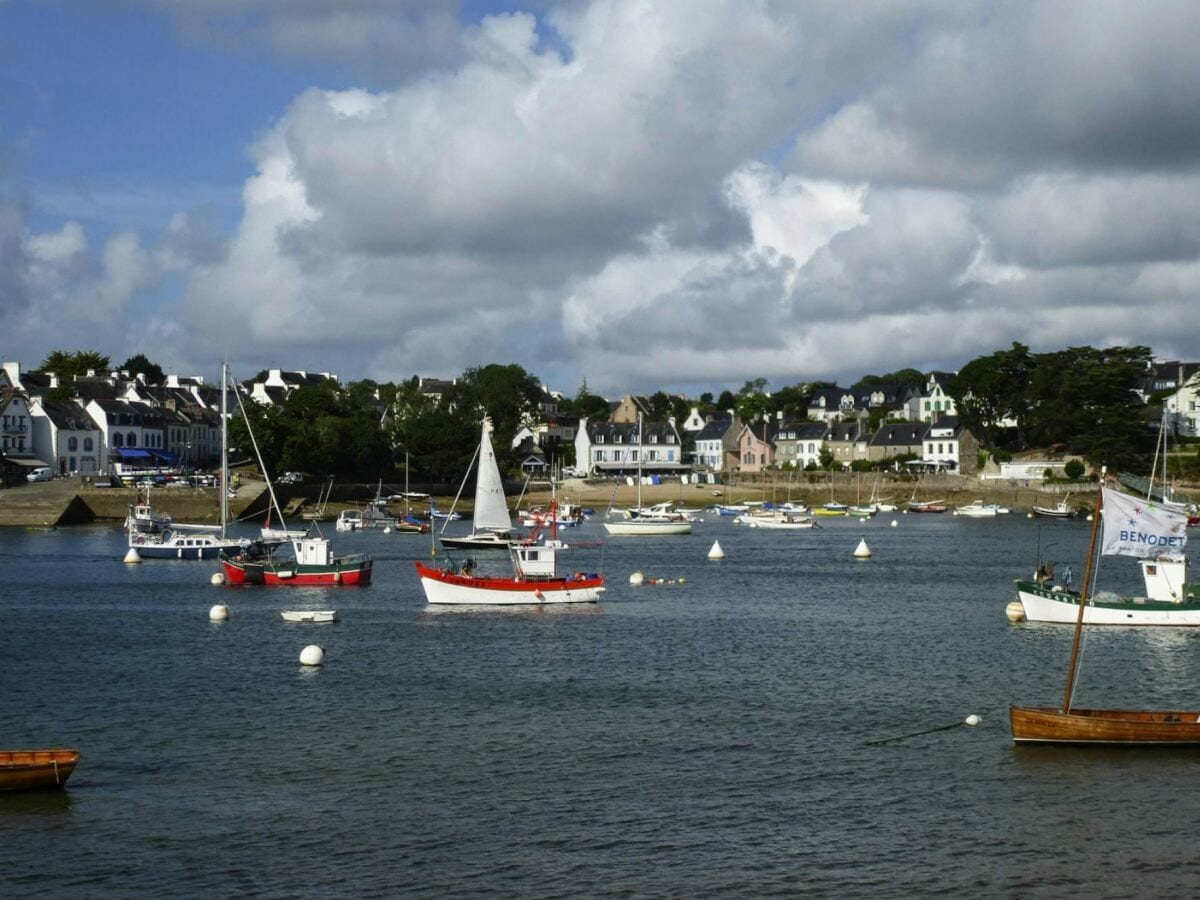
[
  {"x": 491, "y": 526},
  {"x": 648, "y": 524}
]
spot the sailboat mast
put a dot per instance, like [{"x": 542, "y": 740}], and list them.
[
  {"x": 224, "y": 448},
  {"x": 639, "y": 461},
  {"x": 1083, "y": 594}
]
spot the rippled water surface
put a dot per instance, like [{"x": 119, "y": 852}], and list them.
[{"x": 704, "y": 738}]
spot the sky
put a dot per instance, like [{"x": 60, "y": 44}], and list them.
[{"x": 632, "y": 194}]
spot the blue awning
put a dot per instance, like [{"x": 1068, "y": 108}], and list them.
[
  {"x": 131, "y": 453},
  {"x": 166, "y": 456}
]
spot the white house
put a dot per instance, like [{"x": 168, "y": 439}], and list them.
[
  {"x": 716, "y": 444},
  {"x": 934, "y": 402},
  {"x": 72, "y": 442},
  {"x": 617, "y": 447},
  {"x": 1183, "y": 409},
  {"x": 16, "y": 426}
]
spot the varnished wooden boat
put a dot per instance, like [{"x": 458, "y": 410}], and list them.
[
  {"x": 1135, "y": 525},
  {"x": 1048, "y": 725},
  {"x": 34, "y": 770}
]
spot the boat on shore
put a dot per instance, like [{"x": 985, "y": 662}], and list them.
[
  {"x": 1129, "y": 526},
  {"x": 36, "y": 770}
]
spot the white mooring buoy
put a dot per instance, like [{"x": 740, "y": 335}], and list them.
[
  {"x": 217, "y": 578},
  {"x": 862, "y": 551},
  {"x": 133, "y": 556},
  {"x": 1015, "y": 611},
  {"x": 218, "y": 613},
  {"x": 312, "y": 655},
  {"x": 715, "y": 552},
  {"x": 637, "y": 578},
  {"x": 972, "y": 720}
]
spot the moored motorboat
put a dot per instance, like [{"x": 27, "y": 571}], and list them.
[
  {"x": 33, "y": 770},
  {"x": 1169, "y": 598},
  {"x": 534, "y": 580},
  {"x": 311, "y": 565},
  {"x": 978, "y": 509}
]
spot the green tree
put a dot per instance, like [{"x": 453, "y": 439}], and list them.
[
  {"x": 752, "y": 400},
  {"x": 66, "y": 365},
  {"x": 140, "y": 365},
  {"x": 993, "y": 388}
]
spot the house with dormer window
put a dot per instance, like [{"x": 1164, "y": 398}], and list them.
[
  {"x": 756, "y": 453},
  {"x": 16, "y": 429},
  {"x": 933, "y": 401},
  {"x": 72, "y": 441},
  {"x": 280, "y": 383},
  {"x": 611, "y": 448},
  {"x": 831, "y": 404},
  {"x": 948, "y": 445},
  {"x": 897, "y": 439},
  {"x": 798, "y": 444},
  {"x": 716, "y": 444}
]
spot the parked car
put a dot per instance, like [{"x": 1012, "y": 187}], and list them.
[
  {"x": 292, "y": 478},
  {"x": 41, "y": 473}
]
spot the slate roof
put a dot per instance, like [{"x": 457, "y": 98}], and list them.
[
  {"x": 69, "y": 416},
  {"x": 899, "y": 434},
  {"x": 715, "y": 428}
]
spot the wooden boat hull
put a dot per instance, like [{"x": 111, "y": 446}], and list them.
[
  {"x": 443, "y": 587},
  {"x": 1047, "y": 725},
  {"x": 36, "y": 770},
  {"x": 1044, "y": 604},
  {"x": 348, "y": 572}
]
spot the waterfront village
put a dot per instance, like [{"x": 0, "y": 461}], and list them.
[{"x": 115, "y": 424}]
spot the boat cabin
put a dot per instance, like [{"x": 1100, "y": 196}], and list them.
[
  {"x": 1166, "y": 579},
  {"x": 534, "y": 561},
  {"x": 313, "y": 552}
]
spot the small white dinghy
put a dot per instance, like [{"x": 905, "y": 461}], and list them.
[{"x": 309, "y": 615}]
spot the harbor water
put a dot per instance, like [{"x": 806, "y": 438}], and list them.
[{"x": 750, "y": 729}]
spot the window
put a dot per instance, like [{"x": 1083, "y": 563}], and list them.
[
  {"x": 87, "y": 444},
  {"x": 654, "y": 438},
  {"x": 118, "y": 440},
  {"x": 131, "y": 440},
  {"x": 72, "y": 444}
]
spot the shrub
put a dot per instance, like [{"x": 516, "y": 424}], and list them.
[{"x": 1074, "y": 469}]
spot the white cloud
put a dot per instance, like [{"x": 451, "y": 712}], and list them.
[{"x": 649, "y": 193}]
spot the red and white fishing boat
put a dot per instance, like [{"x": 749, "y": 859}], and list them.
[
  {"x": 313, "y": 564},
  {"x": 535, "y": 580}
]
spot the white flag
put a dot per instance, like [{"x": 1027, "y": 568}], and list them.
[{"x": 1136, "y": 527}]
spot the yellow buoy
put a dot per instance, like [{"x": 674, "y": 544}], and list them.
[
  {"x": 637, "y": 578},
  {"x": 217, "y": 578},
  {"x": 1015, "y": 611},
  {"x": 133, "y": 556}
]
